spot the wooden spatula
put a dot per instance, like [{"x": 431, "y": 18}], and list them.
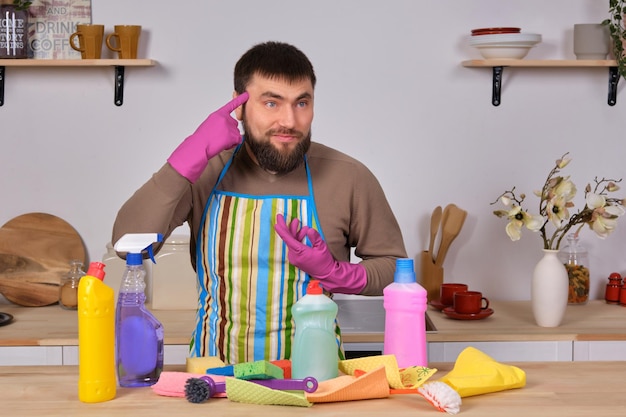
[
  {"x": 451, "y": 227},
  {"x": 435, "y": 221}
]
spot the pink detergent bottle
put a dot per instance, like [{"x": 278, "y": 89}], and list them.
[{"x": 405, "y": 317}]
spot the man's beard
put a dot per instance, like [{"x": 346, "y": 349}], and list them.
[{"x": 273, "y": 159}]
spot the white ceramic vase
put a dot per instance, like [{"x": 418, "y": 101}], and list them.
[{"x": 549, "y": 290}]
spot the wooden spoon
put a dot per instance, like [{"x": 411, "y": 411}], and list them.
[
  {"x": 451, "y": 227},
  {"x": 435, "y": 221}
]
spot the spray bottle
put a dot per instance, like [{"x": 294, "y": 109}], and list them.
[
  {"x": 139, "y": 335},
  {"x": 315, "y": 351},
  {"x": 405, "y": 317},
  {"x": 96, "y": 337}
]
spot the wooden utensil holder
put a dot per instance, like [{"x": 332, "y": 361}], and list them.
[{"x": 431, "y": 275}]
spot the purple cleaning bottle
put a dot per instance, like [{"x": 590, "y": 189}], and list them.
[{"x": 139, "y": 335}]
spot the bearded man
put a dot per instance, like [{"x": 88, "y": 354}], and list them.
[{"x": 267, "y": 210}]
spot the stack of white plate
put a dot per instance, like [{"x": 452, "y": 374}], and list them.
[{"x": 505, "y": 45}]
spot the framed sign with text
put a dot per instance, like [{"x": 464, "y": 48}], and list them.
[{"x": 50, "y": 24}]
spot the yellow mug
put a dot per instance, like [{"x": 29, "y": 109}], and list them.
[
  {"x": 89, "y": 39},
  {"x": 127, "y": 37}
]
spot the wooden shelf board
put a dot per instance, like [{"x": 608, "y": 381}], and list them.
[
  {"x": 77, "y": 62},
  {"x": 540, "y": 63}
]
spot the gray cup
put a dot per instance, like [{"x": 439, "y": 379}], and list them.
[{"x": 591, "y": 41}]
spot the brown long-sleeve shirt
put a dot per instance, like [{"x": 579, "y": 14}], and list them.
[{"x": 352, "y": 207}]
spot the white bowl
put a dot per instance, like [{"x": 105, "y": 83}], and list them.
[
  {"x": 505, "y": 37},
  {"x": 503, "y": 52}
]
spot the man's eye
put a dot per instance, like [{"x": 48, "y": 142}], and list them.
[
  {"x": 303, "y": 103},
  {"x": 270, "y": 104}
]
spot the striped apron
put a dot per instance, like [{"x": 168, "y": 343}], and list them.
[{"x": 246, "y": 284}]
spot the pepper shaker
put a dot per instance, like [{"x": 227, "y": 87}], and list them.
[
  {"x": 613, "y": 288},
  {"x": 622, "y": 295}
]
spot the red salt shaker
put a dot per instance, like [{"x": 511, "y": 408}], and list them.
[{"x": 614, "y": 289}]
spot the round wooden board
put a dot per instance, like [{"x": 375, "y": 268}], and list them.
[{"x": 35, "y": 253}]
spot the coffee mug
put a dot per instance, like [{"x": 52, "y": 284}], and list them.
[
  {"x": 447, "y": 291},
  {"x": 89, "y": 39},
  {"x": 127, "y": 40},
  {"x": 470, "y": 302}
]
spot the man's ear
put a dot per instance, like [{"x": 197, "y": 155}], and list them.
[{"x": 238, "y": 110}]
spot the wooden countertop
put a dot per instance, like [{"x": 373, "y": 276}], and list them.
[
  {"x": 513, "y": 321},
  {"x": 361, "y": 323},
  {"x": 552, "y": 389}
]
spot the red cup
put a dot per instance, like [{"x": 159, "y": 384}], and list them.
[
  {"x": 447, "y": 290},
  {"x": 470, "y": 302}
]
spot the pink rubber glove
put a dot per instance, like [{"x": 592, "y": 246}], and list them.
[
  {"x": 317, "y": 261},
  {"x": 216, "y": 134}
]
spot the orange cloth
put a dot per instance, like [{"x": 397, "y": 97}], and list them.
[{"x": 349, "y": 388}]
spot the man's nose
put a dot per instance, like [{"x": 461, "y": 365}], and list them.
[{"x": 287, "y": 117}]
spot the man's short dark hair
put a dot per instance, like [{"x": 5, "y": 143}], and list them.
[{"x": 275, "y": 60}]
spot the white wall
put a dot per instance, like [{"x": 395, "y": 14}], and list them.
[{"x": 392, "y": 92}]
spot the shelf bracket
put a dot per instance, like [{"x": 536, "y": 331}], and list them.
[
  {"x": 613, "y": 80},
  {"x": 496, "y": 89},
  {"x": 119, "y": 85},
  {"x": 2, "y": 75}
]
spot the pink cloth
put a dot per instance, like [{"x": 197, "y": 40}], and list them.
[{"x": 172, "y": 384}]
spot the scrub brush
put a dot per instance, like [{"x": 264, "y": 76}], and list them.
[
  {"x": 438, "y": 393},
  {"x": 198, "y": 390},
  {"x": 441, "y": 395}
]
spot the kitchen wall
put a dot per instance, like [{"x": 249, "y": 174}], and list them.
[{"x": 392, "y": 92}]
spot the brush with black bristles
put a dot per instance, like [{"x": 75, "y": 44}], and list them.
[{"x": 198, "y": 390}]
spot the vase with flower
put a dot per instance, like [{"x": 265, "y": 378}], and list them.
[{"x": 550, "y": 282}]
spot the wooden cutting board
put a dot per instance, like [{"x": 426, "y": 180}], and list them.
[{"x": 35, "y": 253}]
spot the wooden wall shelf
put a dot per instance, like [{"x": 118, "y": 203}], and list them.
[
  {"x": 117, "y": 64},
  {"x": 498, "y": 65}
]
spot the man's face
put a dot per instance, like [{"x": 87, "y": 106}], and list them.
[{"x": 277, "y": 122}]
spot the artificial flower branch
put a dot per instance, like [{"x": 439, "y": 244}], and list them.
[{"x": 555, "y": 199}]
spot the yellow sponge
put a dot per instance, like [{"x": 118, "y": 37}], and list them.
[
  {"x": 258, "y": 370},
  {"x": 199, "y": 365}
]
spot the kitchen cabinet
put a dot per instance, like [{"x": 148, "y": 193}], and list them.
[
  {"x": 497, "y": 66},
  {"x": 591, "y": 332},
  {"x": 118, "y": 65}
]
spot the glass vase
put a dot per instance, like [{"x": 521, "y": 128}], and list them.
[{"x": 576, "y": 261}]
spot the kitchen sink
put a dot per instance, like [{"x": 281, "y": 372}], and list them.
[{"x": 366, "y": 315}]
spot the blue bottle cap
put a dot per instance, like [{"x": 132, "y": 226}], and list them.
[
  {"x": 134, "y": 259},
  {"x": 405, "y": 271}
]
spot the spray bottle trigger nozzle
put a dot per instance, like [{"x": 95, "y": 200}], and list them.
[
  {"x": 150, "y": 249},
  {"x": 151, "y": 254}
]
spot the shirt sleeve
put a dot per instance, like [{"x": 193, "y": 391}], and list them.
[
  {"x": 374, "y": 233},
  {"x": 162, "y": 204},
  {"x": 355, "y": 215}
]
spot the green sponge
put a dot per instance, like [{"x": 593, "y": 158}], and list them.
[{"x": 257, "y": 370}]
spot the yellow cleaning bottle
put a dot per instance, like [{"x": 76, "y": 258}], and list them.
[{"x": 96, "y": 337}]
